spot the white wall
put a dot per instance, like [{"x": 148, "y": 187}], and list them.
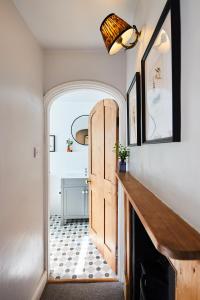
[
  {"x": 21, "y": 175},
  {"x": 63, "y": 164},
  {"x": 64, "y": 66},
  {"x": 172, "y": 171},
  {"x": 72, "y": 65}
]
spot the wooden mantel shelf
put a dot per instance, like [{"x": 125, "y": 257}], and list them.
[{"x": 170, "y": 234}]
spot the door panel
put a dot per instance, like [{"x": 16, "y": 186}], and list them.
[
  {"x": 96, "y": 140},
  {"x": 96, "y": 170},
  {"x": 103, "y": 134},
  {"x": 108, "y": 238},
  {"x": 110, "y": 139},
  {"x": 110, "y": 184},
  {"x": 96, "y": 207}
]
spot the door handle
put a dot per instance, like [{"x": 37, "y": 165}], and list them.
[{"x": 88, "y": 181}]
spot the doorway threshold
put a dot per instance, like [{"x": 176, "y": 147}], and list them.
[{"x": 84, "y": 280}]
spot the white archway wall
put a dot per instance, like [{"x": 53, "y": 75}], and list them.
[
  {"x": 113, "y": 93},
  {"x": 62, "y": 66},
  {"x": 65, "y": 88}
]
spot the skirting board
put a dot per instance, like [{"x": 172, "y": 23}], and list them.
[{"x": 40, "y": 287}]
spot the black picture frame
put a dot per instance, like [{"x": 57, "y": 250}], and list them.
[
  {"x": 135, "y": 82},
  {"x": 52, "y": 143},
  {"x": 172, "y": 6}
]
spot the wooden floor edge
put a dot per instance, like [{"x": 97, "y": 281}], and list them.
[{"x": 86, "y": 280}]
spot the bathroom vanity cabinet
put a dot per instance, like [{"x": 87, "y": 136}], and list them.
[{"x": 74, "y": 199}]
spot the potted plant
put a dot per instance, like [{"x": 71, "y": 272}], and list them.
[
  {"x": 69, "y": 143},
  {"x": 122, "y": 153}
]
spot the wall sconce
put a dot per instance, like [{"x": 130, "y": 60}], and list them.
[{"x": 116, "y": 34}]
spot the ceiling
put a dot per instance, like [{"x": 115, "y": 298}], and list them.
[{"x": 71, "y": 24}]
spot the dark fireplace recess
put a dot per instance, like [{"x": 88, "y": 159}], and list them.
[{"x": 153, "y": 276}]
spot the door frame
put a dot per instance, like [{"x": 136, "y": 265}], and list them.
[{"x": 49, "y": 98}]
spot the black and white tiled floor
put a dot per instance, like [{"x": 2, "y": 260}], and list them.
[{"x": 72, "y": 253}]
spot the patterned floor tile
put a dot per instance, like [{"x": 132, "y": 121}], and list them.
[{"x": 72, "y": 253}]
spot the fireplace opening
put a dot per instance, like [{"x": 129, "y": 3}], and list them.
[{"x": 153, "y": 277}]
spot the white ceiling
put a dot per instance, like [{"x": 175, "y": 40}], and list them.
[{"x": 71, "y": 24}]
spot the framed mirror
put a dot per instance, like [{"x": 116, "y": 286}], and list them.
[{"x": 79, "y": 130}]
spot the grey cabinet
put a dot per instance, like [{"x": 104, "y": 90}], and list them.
[{"x": 74, "y": 199}]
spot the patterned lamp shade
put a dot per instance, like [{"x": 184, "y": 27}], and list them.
[{"x": 115, "y": 31}]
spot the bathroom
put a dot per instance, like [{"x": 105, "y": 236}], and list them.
[{"x": 72, "y": 254}]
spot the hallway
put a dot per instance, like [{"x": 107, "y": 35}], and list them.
[
  {"x": 84, "y": 291},
  {"x": 145, "y": 204}
]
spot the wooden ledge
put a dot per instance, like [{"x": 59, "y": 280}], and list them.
[{"x": 170, "y": 234}]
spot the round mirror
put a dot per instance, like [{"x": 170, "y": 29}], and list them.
[{"x": 79, "y": 129}]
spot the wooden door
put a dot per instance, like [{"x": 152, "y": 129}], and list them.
[{"x": 103, "y": 134}]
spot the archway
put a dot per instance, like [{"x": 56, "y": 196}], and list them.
[{"x": 49, "y": 98}]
